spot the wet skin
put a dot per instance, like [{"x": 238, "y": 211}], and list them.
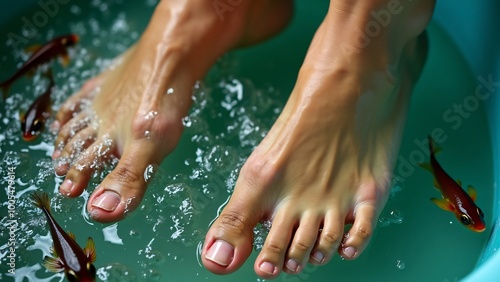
[{"x": 325, "y": 163}]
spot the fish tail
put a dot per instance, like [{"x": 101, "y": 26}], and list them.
[
  {"x": 432, "y": 145},
  {"x": 41, "y": 200},
  {"x": 5, "y": 89},
  {"x": 433, "y": 148}
]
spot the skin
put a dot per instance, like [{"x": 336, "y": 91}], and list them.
[{"x": 325, "y": 163}]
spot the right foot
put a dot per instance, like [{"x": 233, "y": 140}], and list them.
[{"x": 327, "y": 161}]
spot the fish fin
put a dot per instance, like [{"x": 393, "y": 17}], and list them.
[
  {"x": 22, "y": 116},
  {"x": 459, "y": 182},
  {"x": 443, "y": 204},
  {"x": 65, "y": 59},
  {"x": 53, "y": 251},
  {"x": 436, "y": 184},
  {"x": 41, "y": 200},
  {"x": 72, "y": 235},
  {"x": 5, "y": 89},
  {"x": 53, "y": 264},
  {"x": 32, "y": 48},
  {"x": 426, "y": 166},
  {"x": 472, "y": 192},
  {"x": 89, "y": 250},
  {"x": 433, "y": 147}
]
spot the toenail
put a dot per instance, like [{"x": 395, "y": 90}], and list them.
[
  {"x": 56, "y": 154},
  {"x": 107, "y": 201},
  {"x": 349, "y": 252},
  {"x": 318, "y": 256},
  {"x": 267, "y": 268},
  {"x": 221, "y": 253},
  {"x": 293, "y": 265},
  {"x": 66, "y": 187},
  {"x": 55, "y": 125}
]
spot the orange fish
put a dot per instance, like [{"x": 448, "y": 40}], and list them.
[
  {"x": 41, "y": 55},
  {"x": 67, "y": 255},
  {"x": 33, "y": 122},
  {"x": 454, "y": 198}
]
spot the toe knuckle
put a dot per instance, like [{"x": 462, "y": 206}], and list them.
[
  {"x": 302, "y": 246},
  {"x": 364, "y": 231},
  {"x": 233, "y": 222},
  {"x": 124, "y": 174},
  {"x": 330, "y": 237},
  {"x": 274, "y": 247}
]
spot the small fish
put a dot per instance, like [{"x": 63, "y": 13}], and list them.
[
  {"x": 67, "y": 255},
  {"x": 41, "y": 55},
  {"x": 33, "y": 122},
  {"x": 454, "y": 198}
]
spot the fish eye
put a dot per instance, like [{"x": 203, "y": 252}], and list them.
[
  {"x": 91, "y": 269},
  {"x": 465, "y": 219},
  {"x": 480, "y": 212},
  {"x": 71, "y": 275},
  {"x": 37, "y": 125}
]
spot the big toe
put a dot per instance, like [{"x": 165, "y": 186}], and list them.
[
  {"x": 229, "y": 241},
  {"x": 123, "y": 189}
]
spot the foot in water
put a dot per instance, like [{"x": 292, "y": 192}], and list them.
[
  {"x": 134, "y": 110},
  {"x": 322, "y": 174}
]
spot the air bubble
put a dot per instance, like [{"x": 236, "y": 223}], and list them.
[
  {"x": 151, "y": 115},
  {"x": 149, "y": 172},
  {"x": 147, "y": 134},
  {"x": 170, "y": 91},
  {"x": 400, "y": 264}
]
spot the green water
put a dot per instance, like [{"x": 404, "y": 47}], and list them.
[{"x": 235, "y": 106}]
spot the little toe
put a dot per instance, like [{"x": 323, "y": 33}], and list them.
[
  {"x": 303, "y": 242},
  {"x": 328, "y": 239},
  {"x": 360, "y": 233}
]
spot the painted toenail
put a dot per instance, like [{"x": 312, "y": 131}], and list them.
[
  {"x": 107, "y": 201},
  {"x": 318, "y": 256},
  {"x": 66, "y": 187},
  {"x": 221, "y": 253},
  {"x": 293, "y": 265},
  {"x": 55, "y": 125},
  {"x": 56, "y": 154},
  {"x": 349, "y": 252},
  {"x": 267, "y": 268}
]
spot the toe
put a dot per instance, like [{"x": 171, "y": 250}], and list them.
[
  {"x": 359, "y": 235},
  {"x": 79, "y": 143},
  {"x": 303, "y": 241},
  {"x": 78, "y": 177},
  {"x": 229, "y": 241},
  {"x": 123, "y": 189},
  {"x": 329, "y": 238},
  {"x": 69, "y": 130},
  {"x": 271, "y": 259},
  {"x": 74, "y": 103}
]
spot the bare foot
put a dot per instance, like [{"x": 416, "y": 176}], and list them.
[
  {"x": 134, "y": 110},
  {"x": 328, "y": 159}
]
